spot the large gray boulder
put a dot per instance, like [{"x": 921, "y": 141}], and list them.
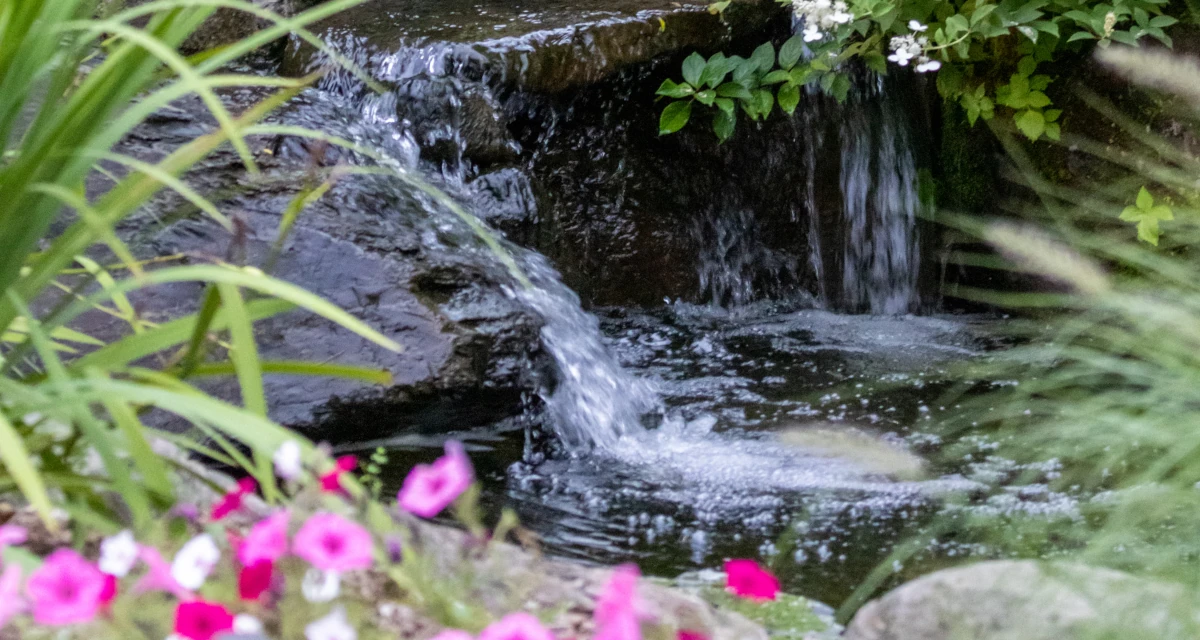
[{"x": 1028, "y": 600}]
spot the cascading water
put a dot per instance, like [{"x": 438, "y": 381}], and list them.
[{"x": 881, "y": 203}]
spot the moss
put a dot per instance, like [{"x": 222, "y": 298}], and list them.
[
  {"x": 968, "y": 164},
  {"x": 787, "y": 617}
]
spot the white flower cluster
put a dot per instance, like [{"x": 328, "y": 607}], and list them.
[
  {"x": 909, "y": 47},
  {"x": 820, "y": 16}
]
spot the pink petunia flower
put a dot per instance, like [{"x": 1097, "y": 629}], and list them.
[
  {"x": 255, "y": 579},
  {"x": 11, "y": 602},
  {"x": 232, "y": 501},
  {"x": 267, "y": 540},
  {"x": 332, "y": 543},
  {"x": 429, "y": 489},
  {"x": 691, "y": 635},
  {"x": 617, "y": 609},
  {"x": 452, "y": 634},
  {"x": 66, "y": 589},
  {"x": 200, "y": 620},
  {"x": 331, "y": 482},
  {"x": 516, "y": 626},
  {"x": 110, "y": 590},
  {"x": 748, "y": 579},
  {"x": 158, "y": 575},
  {"x": 11, "y": 535}
]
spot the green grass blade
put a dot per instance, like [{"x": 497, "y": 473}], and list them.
[
  {"x": 244, "y": 354},
  {"x": 303, "y": 368},
  {"x": 16, "y": 460}
]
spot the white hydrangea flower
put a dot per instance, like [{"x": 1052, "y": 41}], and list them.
[
  {"x": 925, "y": 65},
  {"x": 118, "y": 554},
  {"x": 288, "y": 464},
  {"x": 917, "y": 26},
  {"x": 334, "y": 626},
  {"x": 321, "y": 586},
  {"x": 821, "y": 16},
  {"x": 905, "y": 48},
  {"x": 195, "y": 561}
]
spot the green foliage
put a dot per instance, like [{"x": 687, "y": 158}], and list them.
[
  {"x": 1147, "y": 215},
  {"x": 986, "y": 54},
  {"x": 74, "y": 85}
]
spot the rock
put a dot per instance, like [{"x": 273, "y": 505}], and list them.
[
  {"x": 373, "y": 246},
  {"x": 542, "y": 46},
  {"x": 1026, "y": 600},
  {"x": 225, "y": 25}
]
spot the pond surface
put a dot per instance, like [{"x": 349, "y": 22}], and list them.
[{"x": 721, "y": 474}]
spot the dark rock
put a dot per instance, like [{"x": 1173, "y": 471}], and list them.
[
  {"x": 374, "y": 246},
  {"x": 505, "y": 200}
]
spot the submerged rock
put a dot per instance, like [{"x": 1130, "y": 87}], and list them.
[{"x": 1028, "y": 600}]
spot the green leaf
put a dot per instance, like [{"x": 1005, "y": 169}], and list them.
[
  {"x": 18, "y": 463},
  {"x": 671, "y": 90},
  {"x": 726, "y": 105},
  {"x": 1080, "y": 35},
  {"x": 775, "y": 77},
  {"x": 1037, "y": 100},
  {"x": 1148, "y": 231},
  {"x": 790, "y": 52},
  {"x": 693, "y": 67},
  {"x": 715, "y": 71},
  {"x": 706, "y": 97},
  {"x": 1052, "y": 114},
  {"x": 1046, "y": 26},
  {"x": 1162, "y": 22},
  {"x": 1027, "y": 66},
  {"x": 875, "y": 61},
  {"x": 981, "y": 13},
  {"x": 1031, "y": 123},
  {"x": 674, "y": 117},
  {"x": 764, "y": 102},
  {"x": 1053, "y": 131},
  {"x": 956, "y": 24},
  {"x": 763, "y": 57},
  {"x": 789, "y": 98},
  {"x": 734, "y": 90},
  {"x": 840, "y": 87},
  {"x": 1124, "y": 37},
  {"x": 723, "y": 125},
  {"x": 1144, "y": 199}
]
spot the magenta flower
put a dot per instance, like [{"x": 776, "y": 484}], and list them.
[
  {"x": 429, "y": 489},
  {"x": 200, "y": 620},
  {"x": 332, "y": 543},
  {"x": 11, "y": 602},
  {"x": 452, "y": 634},
  {"x": 267, "y": 540},
  {"x": 747, "y": 579},
  {"x": 232, "y": 501},
  {"x": 617, "y": 615},
  {"x": 66, "y": 589},
  {"x": 254, "y": 580},
  {"x": 516, "y": 626},
  {"x": 331, "y": 482},
  {"x": 158, "y": 575},
  {"x": 691, "y": 635}
]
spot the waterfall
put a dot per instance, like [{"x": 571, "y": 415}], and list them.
[
  {"x": 595, "y": 402},
  {"x": 879, "y": 183}
]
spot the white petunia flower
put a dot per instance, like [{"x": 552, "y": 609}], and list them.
[
  {"x": 246, "y": 624},
  {"x": 288, "y": 464},
  {"x": 334, "y": 626},
  {"x": 916, "y": 26},
  {"x": 321, "y": 586},
  {"x": 195, "y": 561},
  {"x": 118, "y": 554}
]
